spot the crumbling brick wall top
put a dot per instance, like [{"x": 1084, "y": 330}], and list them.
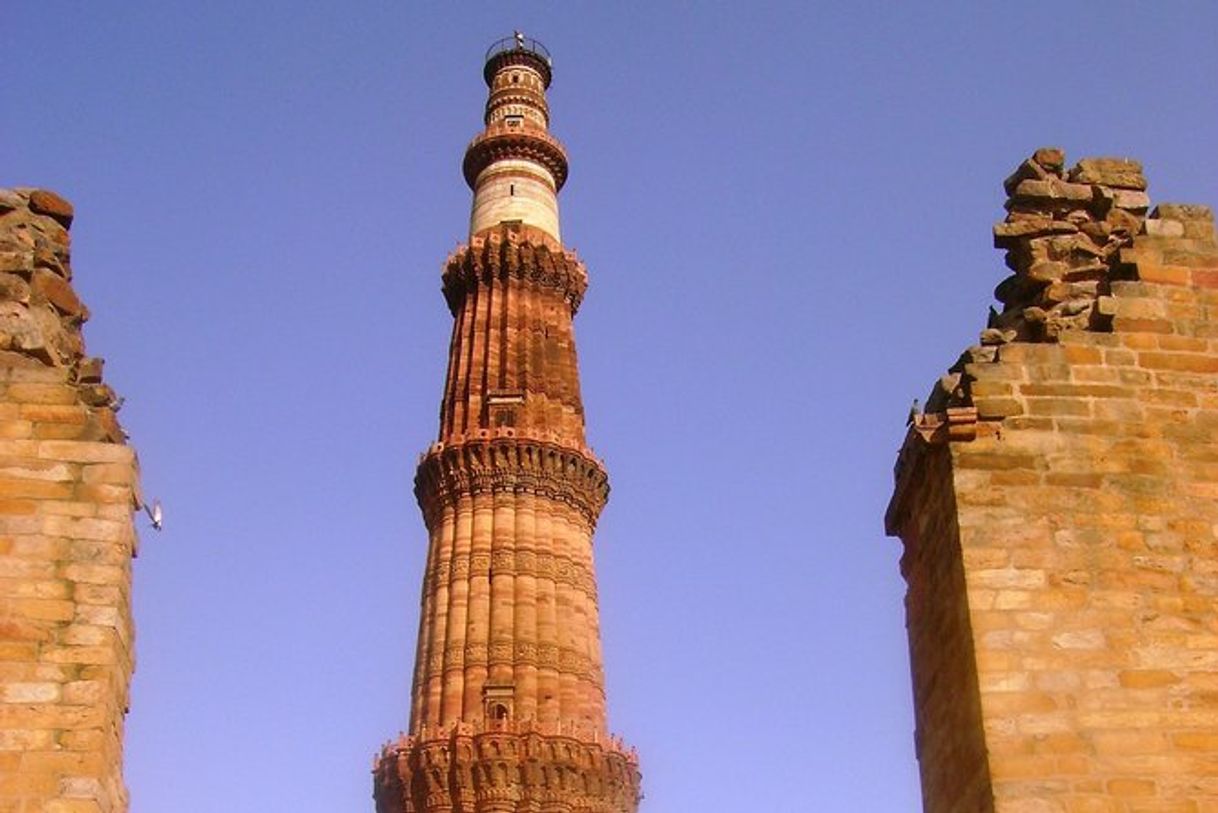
[
  {"x": 68, "y": 485},
  {"x": 1057, "y": 502}
]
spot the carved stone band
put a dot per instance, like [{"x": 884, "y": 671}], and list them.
[
  {"x": 507, "y": 761},
  {"x": 511, "y": 466},
  {"x": 542, "y": 565},
  {"x": 503, "y": 255},
  {"x": 566, "y": 660}
]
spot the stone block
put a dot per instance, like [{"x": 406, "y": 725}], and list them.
[
  {"x": 1053, "y": 159},
  {"x": 80, "y": 655},
  {"x": 989, "y": 408},
  {"x": 45, "y": 202},
  {"x": 29, "y": 692},
  {"x": 1163, "y": 228},
  {"x": 90, "y": 370},
  {"x": 66, "y": 805},
  {"x": 1164, "y": 274},
  {"x": 109, "y": 474},
  {"x": 1183, "y": 212},
  {"x": 85, "y": 452},
  {"x": 1053, "y": 191},
  {"x": 88, "y": 740},
  {"x": 1186, "y": 362},
  {"x": 1121, "y": 173},
  {"x": 24, "y": 739},
  {"x": 1028, "y": 170},
  {"x": 59, "y": 293},
  {"x": 14, "y": 288},
  {"x": 1131, "y": 200},
  {"x": 106, "y": 575},
  {"x": 39, "y": 393},
  {"x": 43, "y": 609}
]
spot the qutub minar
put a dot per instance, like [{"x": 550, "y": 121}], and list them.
[{"x": 508, "y": 703}]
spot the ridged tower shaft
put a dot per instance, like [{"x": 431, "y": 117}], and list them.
[{"x": 508, "y": 699}]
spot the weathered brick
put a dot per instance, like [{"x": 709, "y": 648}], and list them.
[
  {"x": 74, "y": 413},
  {"x": 36, "y": 488},
  {"x": 86, "y": 452},
  {"x": 1062, "y": 560},
  {"x": 69, "y": 805},
  {"x": 982, "y": 460},
  {"x": 40, "y": 609},
  {"x": 58, "y": 291},
  {"x": 25, "y": 739},
  {"x": 110, "y": 474},
  {"x": 88, "y": 740},
  {"x": 46, "y": 202},
  {"x": 29, "y": 693},
  {"x": 80, "y": 654},
  {"x": 1079, "y": 390},
  {"x": 991, "y": 407},
  {"x": 65, "y": 577},
  {"x": 1164, "y": 274},
  {"x": 38, "y": 393},
  {"x": 1188, "y": 362},
  {"x": 1078, "y": 355},
  {"x": 1205, "y": 741},
  {"x": 1205, "y": 278},
  {"x": 1058, "y": 406},
  {"x": 1124, "y": 323}
]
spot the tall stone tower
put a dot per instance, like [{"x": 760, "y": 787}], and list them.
[
  {"x": 508, "y": 703},
  {"x": 1058, "y": 505},
  {"x": 68, "y": 485}
]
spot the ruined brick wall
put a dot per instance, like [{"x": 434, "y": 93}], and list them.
[
  {"x": 67, "y": 490},
  {"x": 949, "y": 742},
  {"x": 1058, "y": 504}
]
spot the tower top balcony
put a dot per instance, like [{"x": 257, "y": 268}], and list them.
[{"x": 517, "y": 50}]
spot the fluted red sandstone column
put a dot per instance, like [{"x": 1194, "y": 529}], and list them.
[{"x": 508, "y": 709}]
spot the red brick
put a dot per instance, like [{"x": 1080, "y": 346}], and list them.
[
  {"x": 1187, "y": 362},
  {"x": 45, "y": 202},
  {"x": 1205, "y": 277},
  {"x": 1164, "y": 274}
]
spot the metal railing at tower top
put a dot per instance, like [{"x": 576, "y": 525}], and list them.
[{"x": 518, "y": 42}]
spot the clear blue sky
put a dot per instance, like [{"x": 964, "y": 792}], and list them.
[{"x": 786, "y": 212}]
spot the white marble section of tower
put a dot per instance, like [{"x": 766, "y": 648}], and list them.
[{"x": 515, "y": 167}]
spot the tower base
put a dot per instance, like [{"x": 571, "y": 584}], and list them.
[{"x": 505, "y": 766}]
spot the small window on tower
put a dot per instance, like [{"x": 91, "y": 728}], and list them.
[
  {"x": 514, "y": 121},
  {"x": 501, "y": 409},
  {"x": 512, "y": 190},
  {"x": 497, "y": 702}
]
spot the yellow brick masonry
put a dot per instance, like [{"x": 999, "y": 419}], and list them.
[
  {"x": 67, "y": 488},
  {"x": 1061, "y": 550}
]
